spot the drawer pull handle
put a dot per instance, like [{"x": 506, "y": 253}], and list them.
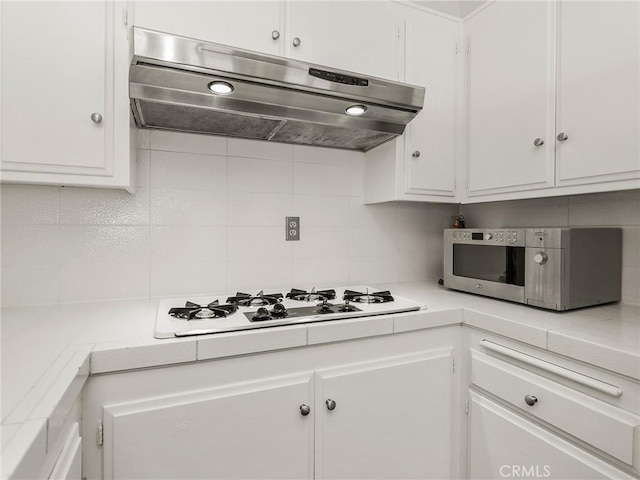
[
  {"x": 530, "y": 400},
  {"x": 555, "y": 369}
]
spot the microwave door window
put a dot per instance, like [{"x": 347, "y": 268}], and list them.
[{"x": 498, "y": 264}]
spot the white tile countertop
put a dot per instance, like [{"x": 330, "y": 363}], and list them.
[{"x": 48, "y": 352}]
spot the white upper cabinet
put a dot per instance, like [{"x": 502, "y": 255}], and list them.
[
  {"x": 510, "y": 97},
  {"x": 553, "y": 94},
  {"x": 361, "y": 37},
  {"x": 65, "y": 114},
  {"x": 431, "y": 62},
  {"x": 598, "y": 92},
  {"x": 356, "y": 36},
  {"x": 420, "y": 165},
  {"x": 253, "y": 25}
]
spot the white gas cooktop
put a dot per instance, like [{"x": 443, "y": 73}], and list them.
[{"x": 181, "y": 317}]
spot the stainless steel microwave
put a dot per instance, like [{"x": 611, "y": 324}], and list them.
[{"x": 553, "y": 268}]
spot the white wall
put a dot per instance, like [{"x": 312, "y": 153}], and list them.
[
  {"x": 209, "y": 217},
  {"x": 617, "y": 209}
]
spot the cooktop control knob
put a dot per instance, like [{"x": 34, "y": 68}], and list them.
[{"x": 540, "y": 258}]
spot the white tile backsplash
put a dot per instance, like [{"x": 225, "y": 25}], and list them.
[
  {"x": 209, "y": 217},
  {"x": 182, "y": 208},
  {"x": 29, "y": 204},
  {"x": 188, "y": 171}
]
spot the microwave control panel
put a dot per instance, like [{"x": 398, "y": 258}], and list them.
[{"x": 514, "y": 237}]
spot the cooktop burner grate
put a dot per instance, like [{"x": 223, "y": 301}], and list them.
[
  {"x": 376, "y": 297},
  {"x": 312, "y": 296},
  {"x": 258, "y": 300},
  {"x": 193, "y": 311}
]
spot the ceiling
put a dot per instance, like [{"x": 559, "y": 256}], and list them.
[{"x": 457, "y": 8}]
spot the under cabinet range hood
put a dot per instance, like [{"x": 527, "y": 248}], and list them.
[{"x": 187, "y": 85}]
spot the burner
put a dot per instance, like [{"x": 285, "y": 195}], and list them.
[
  {"x": 278, "y": 311},
  {"x": 260, "y": 299},
  {"x": 324, "y": 307},
  {"x": 312, "y": 296},
  {"x": 359, "y": 297},
  {"x": 261, "y": 314},
  {"x": 193, "y": 311},
  {"x": 347, "y": 307}
]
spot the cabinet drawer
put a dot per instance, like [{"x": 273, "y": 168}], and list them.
[{"x": 608, "y": 428}]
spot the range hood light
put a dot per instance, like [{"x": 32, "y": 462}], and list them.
[
  {"x": 220, "y": 88},
  {"x": 356, "y": 110}
]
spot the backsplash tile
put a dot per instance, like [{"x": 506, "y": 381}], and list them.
[
  {"x": 209, "y": 217},
  {"x": 29, "y": 204}
]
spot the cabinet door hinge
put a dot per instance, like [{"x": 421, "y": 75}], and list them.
[
  {"x": 457, "y": 48},
  {"x": 100, "y": 434},
  {"x": 453, "y": 364},
  {"x": 125, "y": 18},
  {"x": 466, "y": 407},
  {"x": 455, "y": 183}
]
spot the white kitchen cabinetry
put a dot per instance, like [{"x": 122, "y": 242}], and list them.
[
  {"x": 535, "y": 411},
  {"x": 385, "y": 419},
  {"x": 244, "y": 430},
  {"x": 361, "y": 37},
  {"x": 69, "y": 463},
  {"x": 505, "y": 445},
  {"x": 552, "y": 99},
  {"x": 363, "y": 409},
  {"x": 598, "y": 105},
  {"x": 65, "y": 109},
  {"x": 253, "y": 25},
  {"x": 356, "y": 36},
  {"x": 420, "y": 165},
  {"x": 510, "y": 97}
]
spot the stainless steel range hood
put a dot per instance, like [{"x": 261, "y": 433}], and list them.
[{"x": 272, "y": 98}]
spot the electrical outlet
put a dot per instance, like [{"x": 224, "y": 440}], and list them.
[{"x": 292, "y": 228}]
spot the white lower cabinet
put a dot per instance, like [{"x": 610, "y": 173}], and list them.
[
  {"x": 385, "y": 419},
  {"x": 505, "y": 445},
  {"x": 363, "y": 409},
  {"x": 535, "y": 414},
  {"x": 244, "y": 430},
  {"x": 69, "y": 463}
]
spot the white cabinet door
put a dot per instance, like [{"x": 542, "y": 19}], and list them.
[
  {"x": 244, "y": 24},
  {"x": 68, "y": 466},
  {"x": 361, "y": 37},
  {"x": 511, "y": 97},
  {"x": 431, "y": 62},
  {"x": 65, "y": 110},
  {"x": 392, "y": 418},
  {"x": 246, "y": 430},
  {"x": 598, "y": 97},
  {"x": 504, "y": 445},
  {"x": 53, "y": 80}
]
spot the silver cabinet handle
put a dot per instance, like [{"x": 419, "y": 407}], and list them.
[
  {"x": 305, "y": 410},
  {"x": 538, "y": 142},
  {"x": 530, "y": 400},
  {"x": 275, "y": 34},
  {"x": 296, "y": 42},
  {"x": 96, "y": 118},
  {"x": 331, "y": 404},
  {"x": 562, "y": 137},
  {"x": 416, "y": 154}
]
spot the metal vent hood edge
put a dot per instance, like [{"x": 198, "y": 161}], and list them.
[{"x": 273, "y": 99}]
